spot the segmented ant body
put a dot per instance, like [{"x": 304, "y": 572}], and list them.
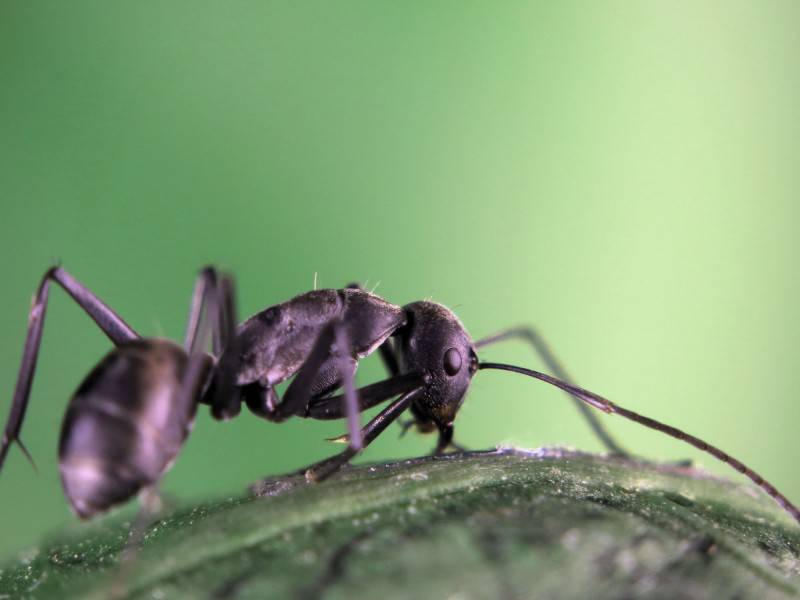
[{"x": 129, "y": 418}]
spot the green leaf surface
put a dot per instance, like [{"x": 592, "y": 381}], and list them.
[{"x": 498, "y": 524}]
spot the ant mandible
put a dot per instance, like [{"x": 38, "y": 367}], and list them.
[{"x": 131, "y": 415}]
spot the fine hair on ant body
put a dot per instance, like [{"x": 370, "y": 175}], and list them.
[{"x": 130, "y": 416}]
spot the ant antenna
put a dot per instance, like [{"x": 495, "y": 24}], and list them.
[{"x": 607, "y": 406}]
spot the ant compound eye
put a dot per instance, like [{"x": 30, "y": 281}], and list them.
[{"x": 452, "y": 361}]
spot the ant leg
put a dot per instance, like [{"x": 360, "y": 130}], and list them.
[
  {"x": 225, "y": 377},
  {"x": 117, "y": 330},
  {"x": 217, "y": 293},
  {"x": 389, "y": 357},
  {"x": 205, "y": 295},
  {"x": 228, "y": 310},
  {"x": 532, "y": 337},
  {"x": 151, "y": 506},
  {"x": 326, "y": 468},
  {"x": 353, "y": 414},
  {"x": 262, "y": 401},
  {"x": 332, "y": 407},
  {"x": 196, "y": 371},
  {"x": 300, "y": 392},
  {"x": 446, "y": 441}
]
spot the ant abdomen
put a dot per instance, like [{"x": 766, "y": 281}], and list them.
[{"x": 124, "y": 425}]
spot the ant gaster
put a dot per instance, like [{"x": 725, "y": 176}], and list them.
[{"x": 131, "y": 415}]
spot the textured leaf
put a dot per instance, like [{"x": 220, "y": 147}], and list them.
[{"x": 499, "y": 524}]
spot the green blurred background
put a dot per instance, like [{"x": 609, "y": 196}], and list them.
[{"x": 623, "y": 175}]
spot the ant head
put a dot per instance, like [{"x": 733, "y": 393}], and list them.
[{"x": 435, "y": 343}]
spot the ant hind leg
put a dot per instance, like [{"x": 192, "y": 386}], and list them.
[{"x": 117, "y": 330}]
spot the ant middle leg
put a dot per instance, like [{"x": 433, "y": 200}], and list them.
[
  {"x": 264, "y": 401},
  {"x": 327, "y": 408},
  {"x": 218, "y": 293},
  {"x": 214, "y": 294}
]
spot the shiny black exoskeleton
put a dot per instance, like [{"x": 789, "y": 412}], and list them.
[{"x": 130, "y": 417}]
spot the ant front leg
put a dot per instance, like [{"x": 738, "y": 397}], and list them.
[
  {"x": 537, "y": 343},
  {"x": 327, "y": 467},
  {"x": 425, "y": 426},
  {"x": 117, "y": 330},
  {"x": 322, "y": 372},
  {"x": 446, "y": 441}
]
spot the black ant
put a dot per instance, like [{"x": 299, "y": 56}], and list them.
[{"x": 129, "y": 418}]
